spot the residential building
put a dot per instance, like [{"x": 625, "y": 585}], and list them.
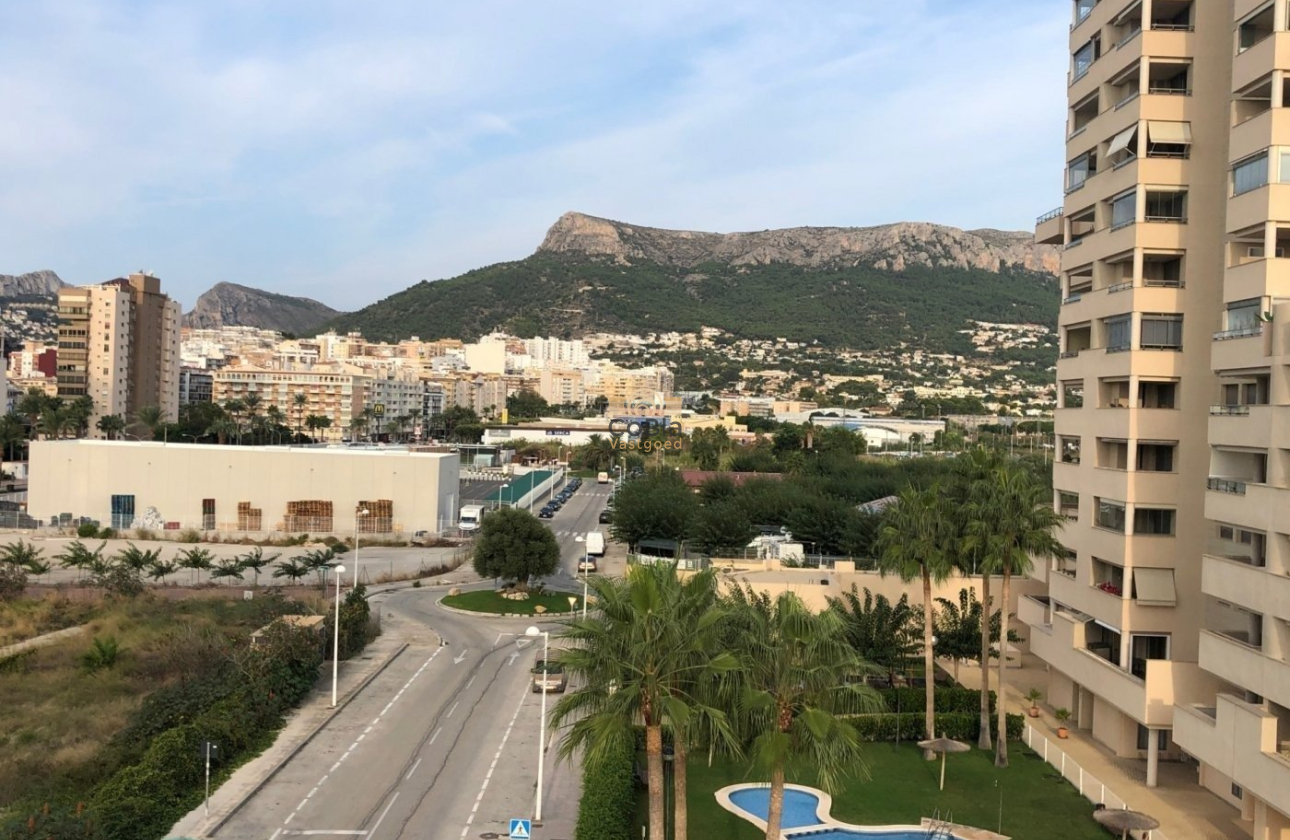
[
  {"x": 195, "y": 385},
  {"x": 118, "y": 343},
  {"x": 561, "y": 386},
  {"x": 554, "y": 351},
  {"x": 488, "y": 355},
  {"x": 1166, "y": 625},
  {"x": 36, "y": 358},
  {"x": 332, "y": 391},
  {"x": 625, "y": 389}
]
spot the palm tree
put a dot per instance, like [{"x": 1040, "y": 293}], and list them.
[
  {"x": 152, "y": 418},
  {"x": 162, "y": 569},
  {"x": 12, "y": 434},
  {"x": 223, "y": 428},
  {"x": 111, "y": 425},
  {"x": 640, "y": 666},
  {"x": 317, "y": 422},
  {"x": 53, "y": 420},
  {"x": 912, "y": 543},
  {"x": 256, "y": 561},
  {"x": 597, "y": 453},
  {"x": 275, "y": 417},
  {"x": 879, "y": 631},
  {"x": 195, "y": 559},
  {"x": 78, "y": 556},
  {"x": 293, "y": 568},
  {"x": 23, "y": 554},
  {"x": 319, "y": 560},
  {"x": 31, "y": 406},
  {"x": 298, "y": 402},
  {"x": 1010, "y": 523},
  {"x": 357, "y": 425},
  {"x": 790, "y": 702},
  {"x": 79, "y": 412}
]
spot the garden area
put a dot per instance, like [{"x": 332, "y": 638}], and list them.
[
  {"x": 901, "y": 787},
  {"x": 491, "y": 601}
]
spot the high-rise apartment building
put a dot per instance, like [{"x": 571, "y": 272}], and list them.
[
  {"x": 1166, "y": 628},
  {"x": 118, "y": 343}
]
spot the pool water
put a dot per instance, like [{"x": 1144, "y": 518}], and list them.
[
  {"x": 800, "y": 807},
  {"x": 848, "y": 834}
]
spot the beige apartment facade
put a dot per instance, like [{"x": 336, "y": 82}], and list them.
[
  {"x": 330, "y": 391},
  {"x": 118, "y": 343},
  {"x": 1166, "y": 628}
]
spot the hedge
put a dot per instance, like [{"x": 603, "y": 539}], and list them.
[
  {"x": 608, "y": 803},
  {"x": 911, "y": 726},
  {"x": 948, "y": 700}
]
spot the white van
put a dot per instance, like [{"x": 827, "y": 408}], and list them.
[
  {"x": 602, "y": 477},
  {"x": 595, "y": 544},
  {"x": 470, "y": 517}
]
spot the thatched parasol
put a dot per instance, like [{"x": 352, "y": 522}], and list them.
[
  {"x": 1124, "y": 821},
  {"x": 944, "y": 746}
]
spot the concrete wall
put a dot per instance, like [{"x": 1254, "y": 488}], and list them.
[{"x": 80, "y": 477}]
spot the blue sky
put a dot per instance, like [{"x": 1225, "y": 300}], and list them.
[{"x": 346, "y": 150}]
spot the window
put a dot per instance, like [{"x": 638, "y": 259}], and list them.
[
  {"x": 1070, "y": 447},
  {"x": 1083, "y": 8},
  {"x": 1084, "y": 58},
  {"x": 1110, "y": 515},
  {"x": 1073, "y": 394},
  {"x": 1161, "y": 332},
  {"x": 1124, "y": 209},
  {"x": 1243, "y": 316},
  {"x": 1068, "y": 504},
  {"x": 1079, "y": 170},
  {"x": 1250, "y": 174},
  {"x": 1166, "y": 206},
  {"x": 1157, "y": 522},
  {"x": 1119, "y": 333},
  {"x": 1144, "y": 734},
  {"x": 1156, "y": 457},
  {"x": 1123, "y": 146},
  {"x": 1254, "y": 29}
]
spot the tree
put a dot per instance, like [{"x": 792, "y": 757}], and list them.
[
  {"x": 78, "y": 556},
  {"x": 13, "y": 434},
  {"x": 721, "y": 528},
  {"x": 319, "y": 561},
  {"x": 152, "y": 418},
  {"x": 514, "y": 545},
  {"x": 958, "y": 629},
  {"x": 293, "y": 568},
  {"x": 1012, "y": 522},
  {"x": 23, "y": 554},
  {"x": 195, "y": 560},
  {"x": 53, "y": 420},
  {"x": 705, "y": 454},
  {"x": 255, "y": 560},
  {"x": 649, "y": 656},
  {"x": 162, "y": 569},
  {"x": 317, "y": 423},
  {"x": 526, "y": 404},
  {"x": 228, "y": 568},
  {"x": 31, "y": 406},
  {"x": 135, "y": 558},
  {"x": 298, "y": 402},
  {"x": 596, "y": 454},
  {"x": 111, "y": 425},
  {"x": 467, "y": 433},
  {"x": 79, "y": 411},
  {"x": 791, "y": 704},
  {"x": 657, "y": 506},
  {"x": 223, "y": 428},
  {"x": 879, "y": 631},
  {"x": 716, "y": 489},
  {"x": 912, "y": 543}
]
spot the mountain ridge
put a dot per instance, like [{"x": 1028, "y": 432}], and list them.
[
  {"x": 232, "y": 304},
  {"x": 40, "y": 283}
]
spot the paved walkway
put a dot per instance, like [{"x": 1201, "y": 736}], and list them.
[
  {"x": 1186, "y": 810},
  {"x": 301, "y": 725}
]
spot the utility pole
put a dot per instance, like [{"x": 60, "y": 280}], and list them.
[{"x": 209, "y": 749}]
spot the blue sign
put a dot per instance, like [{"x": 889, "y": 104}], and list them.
[
  {"x": 554, "y": 432},
  {"x": 521, "y": 830}
]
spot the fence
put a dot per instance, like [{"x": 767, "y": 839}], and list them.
[{"x": 1089, "y": 786}]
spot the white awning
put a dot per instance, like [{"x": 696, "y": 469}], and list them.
[
  {"x": 1155, "y": 587},
  {"x": 1169, "y": 132},
  {"x": 1121, "y": 141},
  {"x": 1105, "y": 626}
]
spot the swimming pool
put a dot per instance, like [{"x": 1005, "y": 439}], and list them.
[{"x": 806, "y": 815}]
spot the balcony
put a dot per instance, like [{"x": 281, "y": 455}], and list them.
[
  {"x": 1239, "y": 581},
  {"x": 1050, "y": 228},
  {"x": 1240, "y": 425},
  {"x": 1241, "y": 741},
  {"x": 1242, "y": 664},
  {"x": 1249, "y": 66},
  {"x": 1262, "y": 277}
]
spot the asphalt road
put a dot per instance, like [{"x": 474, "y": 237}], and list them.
[{"x": 444, "y": 743}]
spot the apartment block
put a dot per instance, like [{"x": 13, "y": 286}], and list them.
[
  {"x": 561, "y": 386},
  {"x": 330, "y": 391},
  {"x": 118, "y": 343},
  {"x": 1166, "y": 627}
]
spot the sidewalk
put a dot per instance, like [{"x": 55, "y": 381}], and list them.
[
  {"x": 1185, "y": 809},
  {"x": 301, "y": 725},
  {"x": 562, "y": 794}
]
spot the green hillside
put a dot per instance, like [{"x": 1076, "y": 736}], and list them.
[{"x": 847, "y": 306}]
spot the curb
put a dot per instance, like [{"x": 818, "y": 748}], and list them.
[{"x": 304, "y": 742}]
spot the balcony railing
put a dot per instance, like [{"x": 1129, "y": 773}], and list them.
[
  {"x": 1229, "y": 411},
  {"x": 1170, "y": 91},
  {"x": 1239, "y": 332},
  {"x": 1075, "y": 298},
  {"x": 1120, "y": 287},
  {"x": 1226, "y": 485},
  {"x": 1055, "y": 213},
  {"x": 1070, "y": 354}
]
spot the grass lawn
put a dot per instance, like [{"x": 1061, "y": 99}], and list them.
[
  {"x": 901, "y": 788},
  {"x": 488, "y": 601}
]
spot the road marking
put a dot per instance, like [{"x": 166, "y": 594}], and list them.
[
  {"x": 413, "y": 770},
  {"x": 514, "y": 656},
  {"x": 435, "y": 736},
  {"x": 453, "y": 709},
  {"x": 471, "y": 680},
  {"x": 275, "y": 834},
  {"x": 303, "y": 802},
  {"x": 457, "y": 660},
  {"x": 383, "y": 813},
  {"x": 288, "y": 819},
  {"x": 496, "y": 757},
  {"x": 332, "y": 832}
]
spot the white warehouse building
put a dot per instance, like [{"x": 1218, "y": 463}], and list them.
[{"x": 243, "y": 490}]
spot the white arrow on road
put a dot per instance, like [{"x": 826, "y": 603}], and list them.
[
  {"x": 457, "y": 660},
  {"x": 514, "y": 656}
]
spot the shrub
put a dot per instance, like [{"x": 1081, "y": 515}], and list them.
[
  {"x": 107, "y": 534},
  {"x": 144, "y": 534},
  {"x": 118, "y": 578},
  {"x": 87, "y": 530},
  {"x": 416, "y": 584},
  {"x": 608, "y": 802},
  {"x": 13, "y": 581},
  {"x": 909, "y": 726},
  {"x": 964, "y": 700},
  {"x": 190, "y": 535},
  {"x": 102, "y": 654}
]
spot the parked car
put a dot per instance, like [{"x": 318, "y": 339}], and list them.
[
  {"x": 587, "y": 564},
  {"x": 548, "y": 676},
  {"x": 606, "y": 516},
  {"x": 546, "y": 513}
]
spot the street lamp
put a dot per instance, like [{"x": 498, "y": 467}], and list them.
[
  {"x": 335, "y": 647},
  {"x": 546, "y": 663},
  {"x": 361, "y": 513},
  {"x": 504, "y": 486}
]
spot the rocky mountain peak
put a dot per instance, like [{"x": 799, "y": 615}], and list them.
[
  {"x": 43, "y": 283},
  {"x": 230, "y": 304},
  {"x": 890, "y": 247}
]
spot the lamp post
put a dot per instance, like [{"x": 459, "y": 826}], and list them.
[
  {"x": 361, "y": 513},
  {"x": 504, "y": 486},
  {"x": 546, "y": 660},
  {"x": 335, "y": 647}
]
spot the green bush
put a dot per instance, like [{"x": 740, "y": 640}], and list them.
[
  {"x": 190, "y": 535},
  {"x": 107, "y": 534},
  {"x": 606, "y": 810},
  {"x": 87, "y": 530},
  {"x": 910, "y": 726},
  {"x": 948, "y": 700}
]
